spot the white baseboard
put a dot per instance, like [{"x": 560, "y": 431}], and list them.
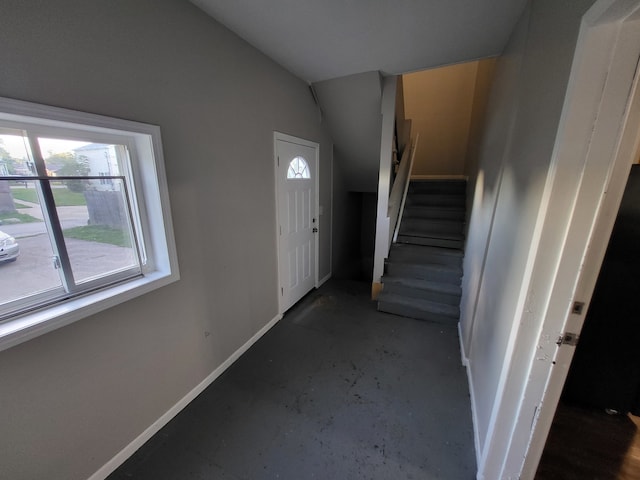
[
  {"x": 439, "y": 177},
  {"x": 474, "y": 417},
  {"x": 320, "y": 282},
  {"x": 155, "y": 427},
  {"x": 463, "y": 355},
  {"x": 472, "y": 397}
]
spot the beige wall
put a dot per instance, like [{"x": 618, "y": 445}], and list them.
[
  {"x": 482, "y": 89},
  {"x": 446, "y": 106}
]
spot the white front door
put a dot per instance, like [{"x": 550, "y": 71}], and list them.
[{"x": 297, "y": 217}]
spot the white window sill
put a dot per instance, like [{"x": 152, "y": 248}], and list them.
[
  {"x": 31, "y": 325},
  {"x": 150, "y": 203}
]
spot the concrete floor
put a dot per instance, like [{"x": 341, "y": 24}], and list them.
[{"x": 336, "y": 390}]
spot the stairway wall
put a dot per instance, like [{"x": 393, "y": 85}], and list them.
[
  {"x": 351, "y": 111},
  {"x": 447, "y": 106},
  {"x": 346, "y": 225},
  {"x": 353, "y": 230},
  {"x": 523, "y": 116}
]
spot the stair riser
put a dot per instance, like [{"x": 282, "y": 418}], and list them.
[
  {"x": 432, "y": 242},
  {"x": 449, "y": 188},
  {"x": 433, "y": 213},
  {"x": 436, "y": 200},
  {"x": 420, "y": 293},
  {"x": 447, "y": 260},
  {"x": 420, "y": 250},
  {"x": 423, "y": 273},
  {"x": 406, "y": 311},
  {"x": 421, "y": 225}
]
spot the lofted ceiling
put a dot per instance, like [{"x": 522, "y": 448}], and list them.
[{"x": 324, "y": 39}]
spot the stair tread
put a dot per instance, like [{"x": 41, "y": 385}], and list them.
[
  {"x": 437, "y": 195},
  {"x": 426, "y": 258},
  {"x": 433, "y": 211},
  {"x": 436, "y": 267},
  {"x": 449, "y": 179},
  {"x": 441, "y": 287},
  {"x": 452, "y": 208},
  {"x": 424, "y": 269},
  {"x": 438, "y": 181},
  {"x": 420, "y": 304},
  {"x": 426, "y": 249},
  {"x": 437, "y": 185},
  {"x": 442, "y": 222},
  {"x": 437, "y": 242},
  {"x": 430, "y": 234},
  {"x": 431, "y": 225}
]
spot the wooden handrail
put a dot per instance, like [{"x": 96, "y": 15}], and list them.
[{"x": 398, "y": 195}]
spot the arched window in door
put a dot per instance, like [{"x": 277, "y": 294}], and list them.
[{"x": 298, "y": 168}]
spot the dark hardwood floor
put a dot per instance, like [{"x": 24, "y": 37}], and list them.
[{"x": 589, "y": 444}]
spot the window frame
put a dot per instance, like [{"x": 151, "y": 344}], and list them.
[{"x": 149, "y": 197}]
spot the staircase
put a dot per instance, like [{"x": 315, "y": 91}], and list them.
[{"x": 424, "y": 268}]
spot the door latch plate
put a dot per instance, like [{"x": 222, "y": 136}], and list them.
[{"x": 568, "y": 338}]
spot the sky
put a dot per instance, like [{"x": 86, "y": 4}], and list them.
[{"x": 15, "y": 145}]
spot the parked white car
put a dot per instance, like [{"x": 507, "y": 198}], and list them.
[{"x": 9, "y": 248}]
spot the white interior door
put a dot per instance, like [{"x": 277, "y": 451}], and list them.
[
  {"x": 297, "y": 217},
  {"x": 598, "y": 139}
]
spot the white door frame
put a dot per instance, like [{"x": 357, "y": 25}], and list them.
[
  {"x": 598, "y": 139},
  {"x": 316, "y": 204}
]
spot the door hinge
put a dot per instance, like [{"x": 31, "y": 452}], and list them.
[
  {"x": 281, "y": 290},
  {"x": 568, "y": 338},
  {"x": 577, "y": 308}
]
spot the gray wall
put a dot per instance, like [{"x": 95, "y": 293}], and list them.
[
  {"x": 352, "y": 108},
  {"x": 70, "y": 400},
  {"x": 347, "y": 210},
  {"x": 522, "y": 121}
]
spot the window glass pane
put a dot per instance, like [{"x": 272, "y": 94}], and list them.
[
  {"x": 26, "y": 256},
  {"x": 15, "y": 154},
  {"x": 72, "y": 158},
  {"x": 298, "y": 168},
  {"x": 97, "y": 230}
]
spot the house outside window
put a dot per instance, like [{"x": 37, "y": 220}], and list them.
[{"x": 84, "y": 216}]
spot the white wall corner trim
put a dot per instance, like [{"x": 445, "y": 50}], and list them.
[
  {"x": 465, "y": 362},
  {"x": 474, "y": 417},
  {"x": 464, "y": 358},
  {"x": 156, "y": 426},
  {"x": 324, "y": 279}
]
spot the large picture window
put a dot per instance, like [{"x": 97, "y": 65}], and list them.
[{"x": 84, "y": 218}]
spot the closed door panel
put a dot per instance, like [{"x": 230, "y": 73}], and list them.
[{"x": 298, "y": 224}]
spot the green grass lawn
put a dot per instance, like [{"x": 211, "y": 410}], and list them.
[
  {"x": 99, "y": 233},
  {"x": 21, "y": 217},
  {"x": 62, "y": 196}
]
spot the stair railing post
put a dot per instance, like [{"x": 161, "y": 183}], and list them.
[{"x": 381, "y": 250}]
